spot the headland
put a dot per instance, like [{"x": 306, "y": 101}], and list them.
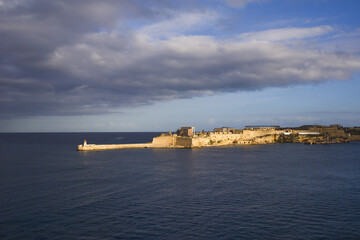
[{"x": 186, "y": 137}]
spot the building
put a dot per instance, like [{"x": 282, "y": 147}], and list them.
[
  {"x": 186, "y": 131},
  {"x": 262, "y": 127},
  {"x": 224, "y": 130},
  {"x": 309, "y": 133}
]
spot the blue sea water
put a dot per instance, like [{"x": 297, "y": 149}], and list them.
[{"x": 49, "y": 190}]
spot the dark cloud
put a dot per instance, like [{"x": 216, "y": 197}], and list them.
[{"x": 77, "y": 57}]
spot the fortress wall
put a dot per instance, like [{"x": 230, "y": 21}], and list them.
[
  {"x": 224, "y": 137},
  {"x": 304, "y": 138},
  {"x": 247, "y": 137},
  {"x": 354, "y": 138},
  {"x": 250, "y": 134},
  {"x": 164, "y": 141},
  {"x": 195, "y": 142},
  {"x": 265, "y": 139},
  {"x": 332, "y": 131},
  {"x": 200, "y": 141},
  {"x": 179, "y": 141},
  {"x": 184, "y": 141}
]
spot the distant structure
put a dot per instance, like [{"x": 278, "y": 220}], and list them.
[
  {"x": 186, "y": 131},
  {"x": 224, "y": 130},
  {"x": 336, "y": 126},
  {"x": 262, "y": 127},
  {"x": 287, "y": 133},
  {"x": 308, "y": 133},
  {"x": 307, "y": 127}
]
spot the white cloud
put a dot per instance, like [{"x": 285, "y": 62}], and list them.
[
  {"x": 242, "y": 3},
  {"x": 188, "y": 66},
  {"x": 179, "y": 24},
  {"x": 282, "y": 34}
]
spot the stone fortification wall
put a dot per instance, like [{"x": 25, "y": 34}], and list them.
[
  {"x": 201, "y": 141},
  {"x": 251, "y": 134},
  {"x": 257, "y": 136},
  {"x": 172, "y": 141},
  {"x": 261, "y": 136},
  {"x": 265, "y": 139},
  {"x": 354, "y": 138},
  {"x": 164, "y": 141},
  {"x": 185, "y": 142},
  {"x": 222, "y": 138},
  {"x": 246, "y": 137},
  {"x": 331, "y": 131}
]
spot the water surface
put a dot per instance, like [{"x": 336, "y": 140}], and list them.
[{"x": 280, "y": 191}]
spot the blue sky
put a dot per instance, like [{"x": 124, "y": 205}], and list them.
[{"x": 158, "y": 65}]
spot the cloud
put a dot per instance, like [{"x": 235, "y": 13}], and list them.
[
  {"x": 140, "y": 71},
  {"x": 242, "y": 3},
  {"x": 287, "y": 34},
  {"x": 180, "y": 24},
  {"x": 57, "y": 59},
  {"x": 6, "y": 5}
]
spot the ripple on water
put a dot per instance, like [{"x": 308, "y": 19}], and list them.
[{"x": 283, "y": 191}]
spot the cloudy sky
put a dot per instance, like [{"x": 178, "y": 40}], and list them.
[{"x": 156, "y": 65}]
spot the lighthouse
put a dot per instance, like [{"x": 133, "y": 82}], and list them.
[{"x": 85, "y": 142}]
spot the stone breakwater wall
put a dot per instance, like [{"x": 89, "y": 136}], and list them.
[
  {"x": 95, "y": 147},
  {"x": 167, "y": 141}
]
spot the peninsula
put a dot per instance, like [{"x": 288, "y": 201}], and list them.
[{"x": 186, "y": 137}]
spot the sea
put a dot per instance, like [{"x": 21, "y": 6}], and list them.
[{"x": 49, "y": 190}]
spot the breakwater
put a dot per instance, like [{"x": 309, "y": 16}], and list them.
[{"x": 95, "y": 147}]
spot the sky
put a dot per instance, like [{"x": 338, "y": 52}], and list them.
[{"x": 157, "y": 65}]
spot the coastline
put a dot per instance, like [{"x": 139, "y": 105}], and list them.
[{"x": 186, "y": 137}]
